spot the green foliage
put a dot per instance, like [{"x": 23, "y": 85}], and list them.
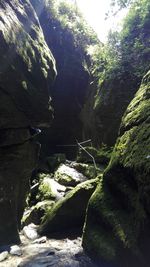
[
  {"x": 126, "y": 53},
  {"x": 135, "y": 38},
  {"x": 117, "y": 5},
  {"x": 72, "y": 21}
]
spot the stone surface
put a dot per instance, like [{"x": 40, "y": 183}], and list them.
[
  {"x": 26, "y": 67},
  {"x": 118, "y": 221},
  {"x": 15, "y": 250},
  {"x": 30, "y": 231},
  {"x": 105, "y": 106},
  {"x": 66, "y": 252},
  {"x": 88, "y": 170},
  {"x": 36, "y": 213},
  {"x": 70, "y": 86},
  {"x": 68, "y": 176},
  {"x": 3, "y": 256},
  {"x": 26, "y": 72},
  {"x": 49, "y": 189},
  {"x": 90, "y": 154},
  {"x": 69, "y": 212},
  {"x": 17, "y": 163}
]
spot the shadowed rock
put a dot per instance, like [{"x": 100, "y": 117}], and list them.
[{"x": 26, "y": 72}]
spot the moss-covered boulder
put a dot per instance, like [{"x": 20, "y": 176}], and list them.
[
  {"x": 69, "y": 213},
  {"x": 49, "y": 189},
  {"x": 68, "y": 176},
  {"x": 117, "y": 227},
  {"x": 88, "y": 170},
  {"x": 37, "y": 212},
  {"x": 90, "y": 154}
]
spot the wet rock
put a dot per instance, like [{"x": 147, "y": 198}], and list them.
[{"x": 68, "y": 176}]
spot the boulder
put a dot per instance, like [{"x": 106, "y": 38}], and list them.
[
  {"x": 49, "y": 189},
  {"x": 26, "y": 71},
  {"x": 90, "y": 154},
  {"x": 117, "y": 227},
  {"x": 37, "y": 212},
  {"x": 68, "y": 176},
  {"x": 69, "y": 212},
  {"x": 88, "y": 170}
]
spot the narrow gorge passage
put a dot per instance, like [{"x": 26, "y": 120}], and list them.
[{"x": 74, "y": 134}]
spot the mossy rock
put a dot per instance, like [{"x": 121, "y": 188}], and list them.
[
  {"x": 88, "y": 170},
  {"x": 37, "y": 212},
  {"x": 45, "y": 191},
  {"x": 30, "y": 67},
  {"x": 117, "y": 227},
  {"x": 49, "y": 189},
  {"x": 69, "y": 213},
  {"x": 101, "y": 156},
  {"x": 68, "y": 176}
]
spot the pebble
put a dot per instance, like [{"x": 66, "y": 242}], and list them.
[
  {"x": 4, "y": 255},
  {"x": 15, "y": 250},
  {"x": 30, "y": 231}
]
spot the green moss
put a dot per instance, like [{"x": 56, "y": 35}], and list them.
[
  {"x": 101, "y": 155},
  {"x": 37, "y": 212},
  {"x": 44, "y": 191},
  {"x": 88, "y": 170},
  {"x": 67, "y": 213},
  {"x": 120, "y": 205},
  {"x": 101, "y": 243},
  {"x": 64, "y": 178}
]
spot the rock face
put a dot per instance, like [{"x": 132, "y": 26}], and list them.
[
  {"x": 105, "y": 106},
  {"x": 117, "y": 227},
  {"x": 70, "y": 86},
  {"x": 69, "y": 212},
  {"x": 26, "y": 71}
]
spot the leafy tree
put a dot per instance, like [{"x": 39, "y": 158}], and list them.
[{"x": 135, "y": 38}]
